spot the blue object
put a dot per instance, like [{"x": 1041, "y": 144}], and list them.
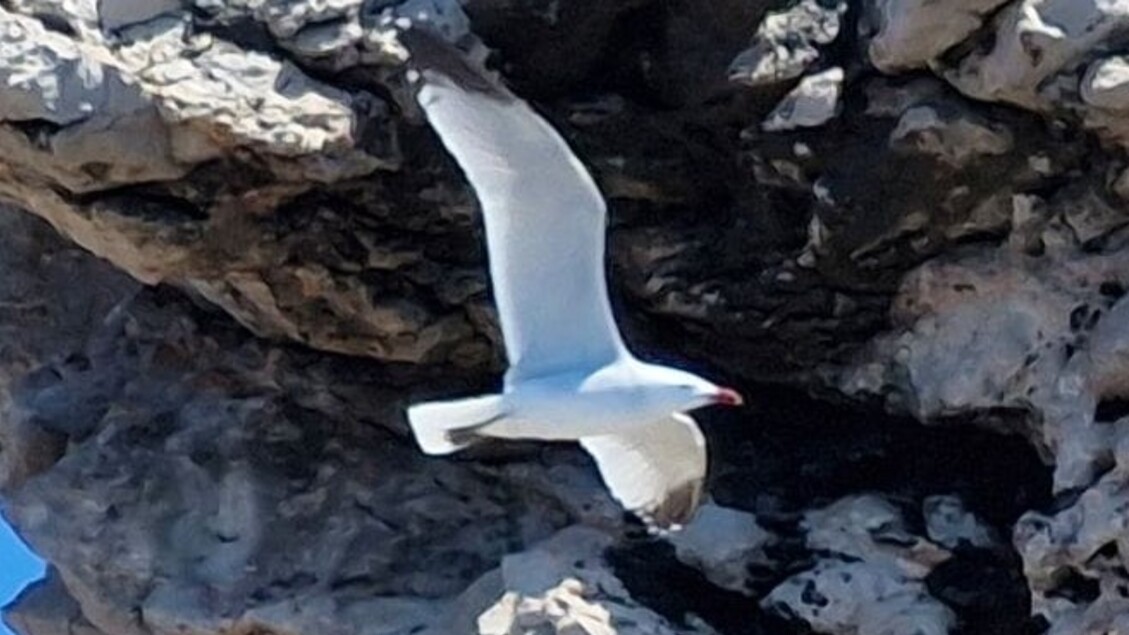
[{"x": 18, "y": 567}]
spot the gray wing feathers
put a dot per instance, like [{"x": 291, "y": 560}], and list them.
[
  {"x": 544, "y": 218},
  {"x": 656, "y": 471}
]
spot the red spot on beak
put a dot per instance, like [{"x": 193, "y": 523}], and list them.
[{"x": 728, "y": 397}]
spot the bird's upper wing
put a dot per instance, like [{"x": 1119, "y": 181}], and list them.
[
  {"x": 544, "y": 217},
  {"x": 655, "y": 471}
]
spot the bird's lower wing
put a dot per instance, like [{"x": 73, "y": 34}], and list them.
[{"x": 656, "y": 471}]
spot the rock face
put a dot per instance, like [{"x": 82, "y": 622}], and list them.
[{"x": 234, "y": 252}]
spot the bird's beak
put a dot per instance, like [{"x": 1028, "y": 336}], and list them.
[{"x": 728, "y": 397}]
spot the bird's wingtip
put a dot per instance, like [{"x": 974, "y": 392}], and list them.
[
  {"x": 431, "y": 54},
  {"x": 675, "y": 511}
]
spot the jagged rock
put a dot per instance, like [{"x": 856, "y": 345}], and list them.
[
  {"x": 990, "y": 333},
  {"x": 950, "y": 525},
  {"x": 869, "y": 578},
  {"x": 561, "y": 609},
  {"x": 256, "y": 495},
  {"x": 1057, "y": 351},
  {"x": 1074, "y": 558},
  {"x": 813, "y": 102},
  {"x": 564, "y": 586},
  {"x": 1120, "y": 185},
  {"x": 724, "y": 544},
  {"x": 913, "y": 34},
  {"x": 899, "y": 244},
  {"x": 47, "y": 608},
  {"x": 44, "y": 318},
  {"x": 1038, "y": 49},
  {"x": 1106, "y": 83},
  {"x": 954, "y": 138},
  {"x": 787, "y": 43},
  {"x": 71, "y": 106},
  {"x": 1105, "y": 91},
  {"x": 117, "y": 14}
]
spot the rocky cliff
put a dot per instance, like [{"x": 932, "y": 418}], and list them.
[{"x": 234, "y": 251}]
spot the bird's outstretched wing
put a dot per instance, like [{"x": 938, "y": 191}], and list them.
[
  {"x": 545, "y": 218},
  {"x": 655, "y": 471}
]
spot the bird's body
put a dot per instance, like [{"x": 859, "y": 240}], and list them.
[
  {"x": 566, "y": 406},
  {"x": 570, "y": 376}
]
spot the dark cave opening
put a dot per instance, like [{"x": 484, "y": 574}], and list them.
[
  {"x": 1111, "y": 409},
  {"x": 790, "y": 452}
]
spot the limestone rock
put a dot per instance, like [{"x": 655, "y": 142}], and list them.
[
  {"x": 787, "y": 43},
  {"x": 869, "y": 580},
  {"x": 1019, "y": 334},
  {"x": 813, "y": 102},
  {"x": 117, "y": 14},
  {"x": 565, "y": 586},
  {"x": 47, "y": 608},
  {"x": 1079, "y": 546},
  {"x": 256, "y": 498},
  {"x": 244, "y": 252},
  {"x": 1037, "y": 43},
  {"x": 954, "y": 138},
  {"x": 950, "y": 525},
  {"x": 1105, "y": 90},
  {"x": 723, "y": 543},
  {"x": 913, "y": 34},
  {"x": 1106, "y": 84}
]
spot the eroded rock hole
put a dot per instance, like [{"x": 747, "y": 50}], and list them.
[
  {"x": 655, "y": 577},
  {"x": 1076, "y": 587},
  {"x": 1111, "y": 409},
  {"x": 1112, "y": 289}
]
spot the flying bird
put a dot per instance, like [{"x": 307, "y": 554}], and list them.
[{"x": 570, "y": 376}]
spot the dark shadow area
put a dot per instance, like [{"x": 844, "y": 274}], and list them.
[
  {"x": 800, "y": 452},
  {"x": 789, "y": 453},
  {"x": 1110, "y": 410},
  {"x": 655, "y": 577}
]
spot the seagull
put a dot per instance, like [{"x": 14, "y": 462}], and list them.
[{"x": 570, "y": 376}]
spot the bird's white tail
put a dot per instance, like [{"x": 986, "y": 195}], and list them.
[{"x": 443, "y": 427}]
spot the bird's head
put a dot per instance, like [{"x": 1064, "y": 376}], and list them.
[{"x": 687, "y": 391}]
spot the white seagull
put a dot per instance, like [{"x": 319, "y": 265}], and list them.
[{"x": 570, "y": 376}]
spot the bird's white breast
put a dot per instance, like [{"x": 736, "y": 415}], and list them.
[{"x": 565, "y": 410}]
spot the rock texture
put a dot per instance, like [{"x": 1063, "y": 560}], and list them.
[
  {"x": 234, "y": 251},
  {"x": 870, "y": 580}
]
